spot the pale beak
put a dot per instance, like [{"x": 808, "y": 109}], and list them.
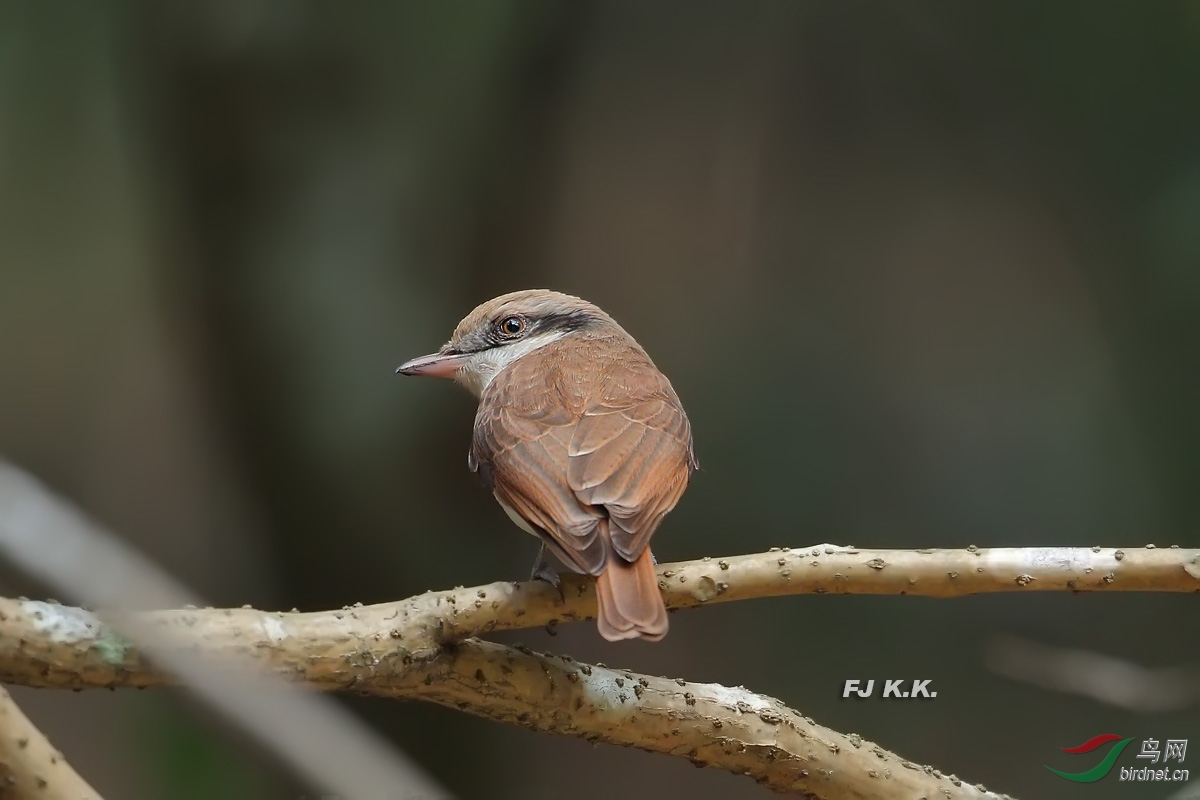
[{"x": 436, "y": 365}]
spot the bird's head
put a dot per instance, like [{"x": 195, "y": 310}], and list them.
[{"x": 504, "y": 329}]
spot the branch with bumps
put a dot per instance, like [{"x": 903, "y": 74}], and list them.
[
  {"x": 425, "y": 648},
  {"x": 48, "y": 645},
  {"x": 29, "y": 764}
]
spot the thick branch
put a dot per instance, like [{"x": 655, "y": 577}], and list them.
[
  {"x": 709, "y": 724},
  {"x": 29, "y": 765},
  {"x": 43, "y": 644}
]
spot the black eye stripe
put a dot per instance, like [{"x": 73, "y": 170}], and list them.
[
  {"x": 566, "y": 322},
  {"x": 495, "y": 334}
]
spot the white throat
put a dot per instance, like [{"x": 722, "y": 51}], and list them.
[{"x": 480, "y": 368}]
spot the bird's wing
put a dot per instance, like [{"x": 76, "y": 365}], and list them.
[
  {"x": 522, "y": 432},
  {"x": 631, "y": 453}
]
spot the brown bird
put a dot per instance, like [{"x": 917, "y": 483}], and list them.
[{"x": 580, "y": 438}]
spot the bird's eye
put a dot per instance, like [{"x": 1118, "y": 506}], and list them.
[{"x": 511, "y": 326}]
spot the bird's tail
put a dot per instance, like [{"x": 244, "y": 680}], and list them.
[{"x": 630, "y": 604}]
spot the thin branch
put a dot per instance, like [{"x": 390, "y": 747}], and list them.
[
  {"x": 1103, "y": 678},
  {"x": 48, "y": 645},
  {"x": 29, "y": 765},
  {"x": 817, "y": 569}
]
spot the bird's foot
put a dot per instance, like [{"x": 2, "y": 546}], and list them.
[{"x": 542, "y": 571}]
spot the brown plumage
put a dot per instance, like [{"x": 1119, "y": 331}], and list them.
[{"x": 581, "y": 439}]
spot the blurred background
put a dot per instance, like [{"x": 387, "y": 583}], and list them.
[{"x": 924, "y": 274}]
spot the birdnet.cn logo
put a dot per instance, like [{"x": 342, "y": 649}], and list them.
[{"x": 1152, "y": 769}]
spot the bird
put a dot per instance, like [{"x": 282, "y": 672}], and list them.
[{"x": 580, "y": 438}]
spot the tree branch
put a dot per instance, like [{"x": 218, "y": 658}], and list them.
[
  {"x": 413, "y": 630},
  {"x": 419, "y": 649},
  {"x": 47, "y": 645},
  {"x": 29, "y": 764}
]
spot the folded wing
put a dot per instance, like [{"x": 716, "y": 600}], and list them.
[{"x": 566, "y": 452}]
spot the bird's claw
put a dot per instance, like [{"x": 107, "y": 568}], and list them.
[{"x": 542, "y": 571}]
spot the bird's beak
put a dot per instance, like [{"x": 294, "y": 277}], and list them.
[{"x": 435, "y": 365}]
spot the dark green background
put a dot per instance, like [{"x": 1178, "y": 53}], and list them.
[{"x": 924, "y": 274}]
